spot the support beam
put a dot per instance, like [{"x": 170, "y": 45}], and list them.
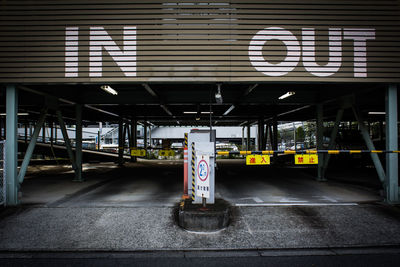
[
  {"x": 121, "y": 142},
  {"x": 150, "y": 143},
  {"x": 26, "y": 133},
  {"x": 248, "y": 138},
  {"x": 275, "y": 136},
  {"x": 51, "y": 132},
  {"x": 332, "y": 140},
  {"x": 134, "y": 138},
  {"x": 145, "y": 135},
  {"x": 78, "y": 145},
  {"x": 392, "y": 172},
  {"x": 243, "y": 142},
  {"x": 11, "y": 145},
  {"x": 370, "y": 145},
  {"x": 66, "y": 139},
  {"x": 261, "y": 145},
  {"x": 31, "y": 146},
  {"x": 320, "y": 141},
  {"x": 1, "y": 128}
]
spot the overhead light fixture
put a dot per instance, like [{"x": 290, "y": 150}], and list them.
[
  {"x": 19, "y": 114},
  {"x": 377, "y": 113},
  {"x": 287, "y": 95},
  {"x": 190, "y": 112},
  {"x": 197, "y": 118},
  {"x": 218, "y": 95},
  {"x": 229, "y": 110},
  {"x": 207, "y": 112},
  {"x": 108, "y": 89},
  {"x": 178, "y": 122}
]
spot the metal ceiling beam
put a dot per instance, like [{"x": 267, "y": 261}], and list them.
[
  {"x": 161, "y": 102},
  {"x": 27, "y": 89},
  {"x": 244, "y": 95}
]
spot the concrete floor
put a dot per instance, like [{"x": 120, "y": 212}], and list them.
[
  {"x": 159, "y": 184},
  {"x": 131, "y": 209}
]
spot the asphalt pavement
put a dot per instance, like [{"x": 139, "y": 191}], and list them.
[{"x": 282, "y": 215}]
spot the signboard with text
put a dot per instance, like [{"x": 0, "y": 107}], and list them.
[
  {"x": 203, "y": 176},
  {"x": 306, "y": 159},
  {"x": 257, "y": 160},
  {"x": 220, "y": 41}
]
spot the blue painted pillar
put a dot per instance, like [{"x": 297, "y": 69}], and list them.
[
  {"x": 11, "y": 146},
  {"x": 392, "y": 173}
]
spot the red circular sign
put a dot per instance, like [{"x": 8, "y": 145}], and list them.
[{"x": 202, "y": 170}]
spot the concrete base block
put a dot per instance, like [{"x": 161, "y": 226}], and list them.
[{"x": 193, "y": 217}]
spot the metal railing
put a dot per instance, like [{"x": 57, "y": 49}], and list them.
[{"x": 3, "y": 183}]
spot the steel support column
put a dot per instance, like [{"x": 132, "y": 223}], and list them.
[
  {"x": 261, "y": 145},
  {"x": 248, "y": 138},
  {"x": 370, "y": 145},
  {"x": 44, "y": 133},
  {"x": 332, "y": 140},
  {"x": 26, "y": 133},
  {"x": 271, "y": 134},
  {"x": 11, "y": 145},
  {"x": 392, "y": 172},
  {"x": 320, "y": 141},
  {"x": 51, "y": 132},
  {"x": 121, "y": 142},
  {"x": 145, "y": 135},
  {"x": 66, "y": 139},
  {"x": 134, "y": 138},
  {"x": 78, "y": 143},
  {"x": 31, "y": 146},
  {"x": 243, "y": 142},
  {"x": 275, "y": 137},
  {"x": 150, "y": 143}
]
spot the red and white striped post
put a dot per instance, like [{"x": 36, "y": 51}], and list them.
[{"x": 185, "y": 169}]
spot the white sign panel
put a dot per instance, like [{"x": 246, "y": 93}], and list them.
[{"x": 203, "y": 176}]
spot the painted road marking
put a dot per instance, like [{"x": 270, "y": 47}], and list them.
[{"x": 293, "y": 204}]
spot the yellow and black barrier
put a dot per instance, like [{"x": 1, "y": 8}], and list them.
[
  {"x": 301, "y": 157},
  {"x": 295, "y": 152}
]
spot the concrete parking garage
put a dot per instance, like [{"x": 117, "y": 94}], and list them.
[{"x": 200, "y": 64}]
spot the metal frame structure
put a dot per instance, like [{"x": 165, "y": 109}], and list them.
[{"x": 3, "y": 174}]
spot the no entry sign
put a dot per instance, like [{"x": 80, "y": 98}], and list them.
[{"x": 203, "y": 176}]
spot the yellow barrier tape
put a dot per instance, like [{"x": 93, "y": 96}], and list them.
[
  {"x": 376, "y": 151},
  {"x": 245, "y": 152},
  {"x": 287, "y": 152},
  {"x": 267, "y": 152},
  {"x": 311, "y": 151},
  {"x": 221, "y": 153},
  {"x": 355, "y": 151},
  {"x": 333, "y": 151}
]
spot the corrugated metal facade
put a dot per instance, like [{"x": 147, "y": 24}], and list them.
[{"x": 225, "y": 40}]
